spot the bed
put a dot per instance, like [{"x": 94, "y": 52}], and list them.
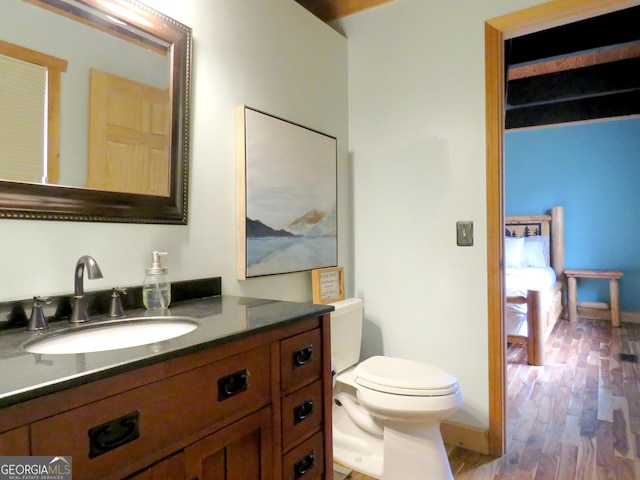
[{"x": 534, "y": 279}]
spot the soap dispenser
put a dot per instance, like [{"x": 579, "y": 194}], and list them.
[{"x": 156, "y": 289}]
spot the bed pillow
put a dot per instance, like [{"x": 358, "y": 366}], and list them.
[
  {"x": 513, "y": 251},
  {"x": 535, "y": 252}
]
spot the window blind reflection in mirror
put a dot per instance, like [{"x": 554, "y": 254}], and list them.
[{"x": 23, "y": 89}]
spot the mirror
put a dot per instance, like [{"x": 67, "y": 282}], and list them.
[{"x": 90, "y": 170}]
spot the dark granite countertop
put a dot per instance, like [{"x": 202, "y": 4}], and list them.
[{"x": 24, "y": 375}]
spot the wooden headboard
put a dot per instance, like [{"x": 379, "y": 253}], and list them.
[{"x": 552, "y": 225}]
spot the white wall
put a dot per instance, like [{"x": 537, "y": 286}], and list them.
[
  {"x": 270, "y": 55},
  {"x": 417, "y": 142}
]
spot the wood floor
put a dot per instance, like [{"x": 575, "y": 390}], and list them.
[{"x": 577, "y": 417}]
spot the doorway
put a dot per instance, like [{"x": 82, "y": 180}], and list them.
[{"x": 497, "y": 30}]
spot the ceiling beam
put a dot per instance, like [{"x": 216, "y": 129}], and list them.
[
  {"x": 329, "y": 10},
  {"x": 574, "y": 61},
  {"x": 603, "y": 90},
  {"x": 616, "y": 105},
  {"x": 597, "y": 80},
  {"x": 615, "y": 28}
]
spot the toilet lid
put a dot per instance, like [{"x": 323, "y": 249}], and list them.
[{"x": 404, "y": 377}]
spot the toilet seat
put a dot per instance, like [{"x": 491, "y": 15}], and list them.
[{"x": 404, "y": 377}]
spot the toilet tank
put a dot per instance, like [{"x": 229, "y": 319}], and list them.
[{"x": 346, "y": 333}]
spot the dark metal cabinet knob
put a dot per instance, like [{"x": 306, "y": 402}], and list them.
[
  {"x": 113, "y": 434},
  {"x": 302, "y": 356},
  {"x": 233, "y": 384},
  {"x": 302, "y": 411},
  {"x": 304, "y": 465}
]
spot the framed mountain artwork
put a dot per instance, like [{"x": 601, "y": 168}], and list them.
[{"x": 287, "y": 196}]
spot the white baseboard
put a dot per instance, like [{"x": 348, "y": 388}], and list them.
[
  {"x": 340, "y": 472},
  {"x": 602, "y": 314},
  {"x": 630, "y": 317}
]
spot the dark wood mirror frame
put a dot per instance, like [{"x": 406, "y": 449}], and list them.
[{"x": 49, "y": 202}]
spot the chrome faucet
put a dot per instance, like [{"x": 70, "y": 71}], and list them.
[
  {"x": 38, "y": 321},
  {"x": 78, "y": 307}
]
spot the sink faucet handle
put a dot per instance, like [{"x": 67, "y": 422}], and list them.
[
  {"x": 37, "y": 321},
  {"x": 115, "y": 309}
]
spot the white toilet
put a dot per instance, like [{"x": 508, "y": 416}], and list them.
[{"x": 387, "y": 411}]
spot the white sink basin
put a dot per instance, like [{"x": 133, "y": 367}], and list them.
[{"x": 112, "y": 335}]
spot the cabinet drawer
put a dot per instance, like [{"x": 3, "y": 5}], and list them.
[
  {"x": 301, "y": 414},
  {"x": 110, "y": 434},
  {"x": 301, "y": 359},
  {"x": 306, "y": 461}
]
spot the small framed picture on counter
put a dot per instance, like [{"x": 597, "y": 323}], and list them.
[{"x": 327, "y": 284}]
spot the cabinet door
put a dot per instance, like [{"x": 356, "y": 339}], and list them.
[
  {"x": 241, "y": 451},
  {"x": 15, "y": 442},
  {"x": 171, "y": 468}
]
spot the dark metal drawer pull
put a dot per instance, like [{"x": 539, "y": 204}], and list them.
[
  {"x": 113, "y": 434},
  {"x": 302, "y": 356},
  {"x": 303, "y": 466},
  {"x": 302, "y": 411},
  {"x": 233, "y": 384}
]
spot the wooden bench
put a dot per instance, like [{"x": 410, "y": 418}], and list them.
[{"x": 612, "y": 275}]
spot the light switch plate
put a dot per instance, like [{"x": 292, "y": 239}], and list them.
[{"x": 464, "y": 233}]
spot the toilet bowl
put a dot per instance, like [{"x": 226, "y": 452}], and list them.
[{"x": 387, "y": 411}]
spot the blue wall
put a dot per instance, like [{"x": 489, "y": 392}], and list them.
[{"x": 593, "y": 170}]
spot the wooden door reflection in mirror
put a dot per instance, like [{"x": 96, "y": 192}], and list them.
[{"x": 128, "y": 136}]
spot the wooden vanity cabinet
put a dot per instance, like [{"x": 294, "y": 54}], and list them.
[{"x": 253, "y": 408}]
